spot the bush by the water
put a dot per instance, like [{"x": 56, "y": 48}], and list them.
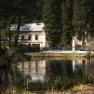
[{"x": 28, "y": 48}]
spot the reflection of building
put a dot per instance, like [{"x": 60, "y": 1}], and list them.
[
  {"x": 36, "y": 70},
  {"x": 84, "y": 67},
  {"x": 90, "y": 68},
  {"x": 78, "y": 64},
  {"x": 31, "y": 34}
]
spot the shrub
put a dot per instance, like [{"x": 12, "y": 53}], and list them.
[{"x": 28, "y": 48}]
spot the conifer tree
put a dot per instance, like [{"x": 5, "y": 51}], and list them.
[
  {"x": 67, "y": 15},
  {"x": 81, "y": 18},
  {"x": 53, "y": 21}
]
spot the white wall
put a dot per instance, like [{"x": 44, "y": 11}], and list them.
[{"x": 41, "y": 38}]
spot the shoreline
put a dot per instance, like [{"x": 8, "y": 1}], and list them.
[{"x": 61, "y": 54}]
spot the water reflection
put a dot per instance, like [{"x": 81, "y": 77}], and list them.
[
  {"x": 57, "y": 74},
  {"x": 35, "y": 70},
  {"x": 46, "y": 74}
]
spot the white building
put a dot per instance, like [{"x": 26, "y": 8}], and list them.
[
  {"x": 32, "y": 34},
  {"x": 75, "y": 43}
]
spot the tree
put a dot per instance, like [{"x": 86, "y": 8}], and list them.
[
  {"x": 67, "y": 17},
  {"x": 52, "y": 15},
  {"x": 17, "y": 10},
  {"x": 82, "y": 18}
]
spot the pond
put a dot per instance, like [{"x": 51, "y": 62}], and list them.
[{"x": 46, "y": 74}]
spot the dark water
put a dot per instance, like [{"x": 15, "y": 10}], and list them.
[{"x": 45, "y": 74}]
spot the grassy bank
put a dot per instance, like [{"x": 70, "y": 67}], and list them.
[
  {"x": 57, "y": 55},
  {"x": 78, "y": 89}
]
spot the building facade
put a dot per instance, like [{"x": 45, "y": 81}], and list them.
[{"x": 32, "y": 34}]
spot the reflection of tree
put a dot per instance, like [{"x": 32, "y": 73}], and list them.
[
  {"x": 28, "y": 75},
  {"x": 90, "y": 69},
  {"x": 6, "y": 79},
  {"x": 12, "y": 80},
  {"x": 80, "y": 75},
  {"x": 60, "y": 73}
]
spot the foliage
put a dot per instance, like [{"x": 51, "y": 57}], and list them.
[
  {"x": 27, "y": 48},
  {"x": 62, "y": 18},
  {"x": 14, "y": 12},
  {"x": 76, "y": 16},
  {"x": 82, "y": 19},
  {"x": 53, "y": 21},
  {"x": 67, "y": 17}
]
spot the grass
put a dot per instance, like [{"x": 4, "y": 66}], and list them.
[
  {"x": 77, "y": 89},
  {"x": 56, "y": 55}
]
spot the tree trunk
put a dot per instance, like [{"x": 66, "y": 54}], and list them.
[
  {"x": 0, "y": 41},
  {"x": 83, "y": 41},
  {"x": 18, "y": 29}
]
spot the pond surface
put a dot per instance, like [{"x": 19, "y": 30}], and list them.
[{"x": 47, "y": 74}]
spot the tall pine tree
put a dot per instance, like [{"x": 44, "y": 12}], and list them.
[
  {"x": 81, "y": 18},
  {"x": 67, "y": 15},
  {"x": 53, "y": 21}
]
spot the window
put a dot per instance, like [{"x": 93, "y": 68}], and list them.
[
  {"x": 29, "y": 37},
  {"x": 22, "y": 37},
  {"x": 36, "y": 37}
]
